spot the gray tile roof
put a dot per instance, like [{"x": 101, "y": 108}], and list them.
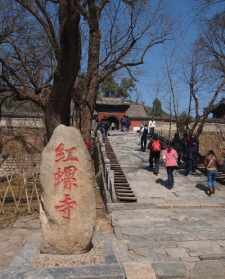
[
  {"x": 115, "y": 101},
  {"x": 136, "y": 111}
]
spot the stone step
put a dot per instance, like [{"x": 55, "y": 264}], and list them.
[
  {"x": 123, "y": 188},
  {"x": 128, "y": 199},
  {"x": 124, "y": 191},
  {"x": 125, "y": 194},
  {"x": 122, "y": 184}
]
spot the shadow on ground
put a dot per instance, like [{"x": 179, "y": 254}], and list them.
[
  {"x": 194, "y": 173},
  {"x": 147, "y": 168},
  {"x": 163, "y": 183},
  {"x": 202, "y": 187}
]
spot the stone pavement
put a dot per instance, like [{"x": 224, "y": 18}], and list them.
[{"x": 180, "y": 233}]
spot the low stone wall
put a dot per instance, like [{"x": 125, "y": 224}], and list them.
[
  {"x": 163, "y": 127},
  {"x": 23, "y": 140},
  {"x": 18, "y": 122}
]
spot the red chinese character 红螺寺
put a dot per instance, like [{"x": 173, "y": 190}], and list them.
[
  {"x": 65, "y": 154},
  {"x": 66, "y": 177},
  {"x": 65, "y": 206}
]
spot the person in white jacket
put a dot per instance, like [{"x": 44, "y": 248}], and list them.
[
  {"x": 151, "y": 127},
  {"x": 140, "y": 132}
]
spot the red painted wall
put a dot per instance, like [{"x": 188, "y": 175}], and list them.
[
  {"x": 105, "y": 115},
  {"x": 136, "y": 123},
  {"x": 118, "y": 115}
]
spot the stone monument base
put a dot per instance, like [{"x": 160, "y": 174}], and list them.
[{"x": 98, "y": 263}]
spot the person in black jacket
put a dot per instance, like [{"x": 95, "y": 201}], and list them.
[
  {"x": 191, "y": 152},
  {"x": 144, "y": 138},
  {"x": 178, "y": 145}
]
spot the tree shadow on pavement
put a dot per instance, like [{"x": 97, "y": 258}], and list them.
[
  {"x": 147, "y": 168},
  {"x": 163, "y": 183},
  {"x": 202, "y": 187}
]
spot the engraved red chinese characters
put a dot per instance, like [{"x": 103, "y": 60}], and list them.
[
  {"x": 68, "y": 208},
  {"x": 66, "y": 177},
  {"x": 65, "y": 154},
  {"x": 65, "y": 206}
]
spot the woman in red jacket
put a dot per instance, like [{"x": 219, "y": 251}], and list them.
[{"x": 170, "y": 157}]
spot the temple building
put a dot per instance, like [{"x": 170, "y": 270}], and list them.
[{"x": 112, "y": 109}]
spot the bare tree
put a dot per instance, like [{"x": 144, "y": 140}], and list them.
[
  {"x": 208, "y": 3},
  {"x": 201, "y": 77},
  {"x": 51, "y": 61},
  {"x": 41, "y": 60},
  {"x": 120, "y": 35},
  {"x": 203, "y": 83},
  {"x": 212, "y": 44}
]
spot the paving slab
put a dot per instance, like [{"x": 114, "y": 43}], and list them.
[
  {"x": 170, "y": 270},
  {"x": 178, "y": 231},
  {"x": 136, "y": 270},
  {"x": 23, "y": 266},
  {"x": 208, "y": 270}
]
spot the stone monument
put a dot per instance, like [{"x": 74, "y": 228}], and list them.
[{"x": 68, "y": 208}]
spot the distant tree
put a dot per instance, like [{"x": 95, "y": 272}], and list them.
[
  {"x": 208, "y": 3},
  {"x": 111, "y": 88},
  {"x": 127, "y": 87},
  {"x": 157, "y": 108}
]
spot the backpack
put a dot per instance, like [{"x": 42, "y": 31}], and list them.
[{"x": 156, "y": 146}]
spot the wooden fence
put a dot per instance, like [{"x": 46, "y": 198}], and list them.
[{"x": 19, "y": 183}]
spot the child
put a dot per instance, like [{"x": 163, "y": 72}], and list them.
[
  {"x": 211, "y": 165},
  {"x": 170, "y": 157}
]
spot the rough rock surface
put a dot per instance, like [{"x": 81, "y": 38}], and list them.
[{"x": 68, "y": 208}]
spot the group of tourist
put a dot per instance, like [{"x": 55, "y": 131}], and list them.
[
  {"x": 105, "y": 125},
  {"x": 146, "y": 130},
  {"x": 179, "y": 152},
  {"x": 169, "y": 157},
  {"x": 125, "y": 123}
]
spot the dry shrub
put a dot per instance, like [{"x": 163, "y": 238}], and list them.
[
  {"x": 212, "y": 141},
  {"x": 13, "y": 147}
]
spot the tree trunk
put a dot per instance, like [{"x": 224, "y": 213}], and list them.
[
  {"x": 200, "y": 126},
  {"x": 86, "y": 120},
  {"x": 87, "y": 102},
  {"x": 68, "y": 64},
  {"x": 58, "y": 107},
  {"x": 84, "y": 108}
]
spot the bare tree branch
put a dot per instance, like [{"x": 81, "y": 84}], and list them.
[{"x": 44, "y": 21}]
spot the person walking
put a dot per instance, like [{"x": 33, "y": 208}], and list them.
[
  {"x": 211, "y": 165},
  {"x": 139, "y": 133},
  {"x": 113, "y": 126},
  {"x": 122, "y": 123},
  {"x": 144, "y": 138},
  {"x": 151, "y": 127},
  {"x": 178, "y": 146},
  {"x": 195, "y": 152},
  {"x": 154, "y": 156},
  {"x": 188, "y": 154},
  {"x": 170, "y": 157}
]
